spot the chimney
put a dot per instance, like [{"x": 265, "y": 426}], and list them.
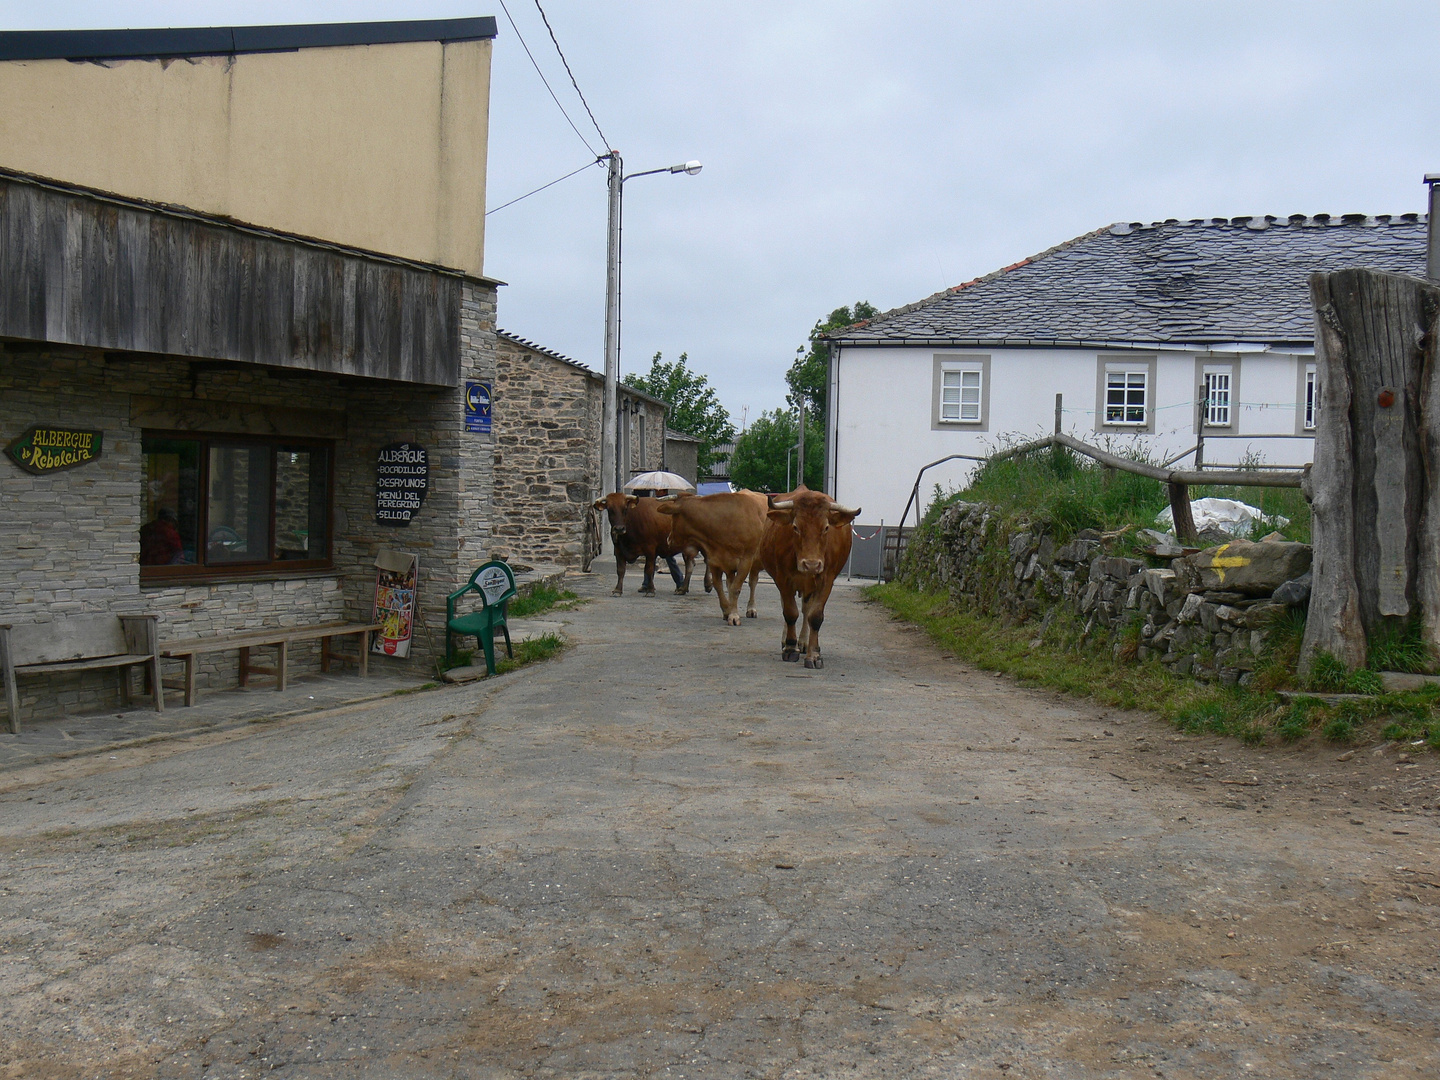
[{"x": 1432, "y": 247}]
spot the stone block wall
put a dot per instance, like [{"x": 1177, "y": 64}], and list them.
[
  {"x": 547, "y": 453},
  {"x": 69, "y": 543},
  {"x": 1205, "y": 615},
  {"x": 548, "y": 412}
]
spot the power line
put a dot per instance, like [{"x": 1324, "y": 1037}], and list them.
[
  {"x": 542, "y": 187},
  {"x": 573, "y": 83},
  {"x": 548, "y": 87}
]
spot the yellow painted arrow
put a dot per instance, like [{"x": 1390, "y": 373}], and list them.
[{"x": 1221, "y": 562}]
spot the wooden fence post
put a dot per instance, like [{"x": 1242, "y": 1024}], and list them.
[
  {"x": 1180, "y": 510},
  {"x": 1375, "y": 487}
]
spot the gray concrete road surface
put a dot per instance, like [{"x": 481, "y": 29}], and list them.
[{"x": 667, "y": 854}]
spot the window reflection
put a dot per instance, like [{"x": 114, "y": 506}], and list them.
[{"x": 170, "y": 502}]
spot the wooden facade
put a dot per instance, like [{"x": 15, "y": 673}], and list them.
[{"x": 84, "y": 268}]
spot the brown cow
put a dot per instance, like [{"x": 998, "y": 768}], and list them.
[
  {"x": 728, "y": 527},
  {"x": 636, "y": 530},
  {"x": 807, "y": 541}
]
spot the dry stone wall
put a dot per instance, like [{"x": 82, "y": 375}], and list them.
[{"x": 1206, "y": 615}]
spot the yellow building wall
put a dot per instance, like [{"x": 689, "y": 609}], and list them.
[{"x": 381, "y": 147}]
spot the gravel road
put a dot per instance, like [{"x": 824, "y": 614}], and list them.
[{"x": 668, "y": 854}]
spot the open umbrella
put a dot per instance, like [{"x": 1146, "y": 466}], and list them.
[{"x": 650, "y": 481}]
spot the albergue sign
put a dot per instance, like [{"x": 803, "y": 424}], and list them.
[
  {"x": 42, "y": 450},
  {"x": 402, "y": 477}
]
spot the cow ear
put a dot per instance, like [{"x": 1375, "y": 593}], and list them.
[
  {"x": 782, "y": 516},
  {"x": 632, "y": 501},
  {"x": 669, "y": 509},
  {"x": 840, "y": 514},
  {"x": 598, "y": 504}
]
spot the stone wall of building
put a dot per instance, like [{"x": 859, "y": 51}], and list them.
[
  {"x": 547, "y": 455},
  {"x": 69, "y": 545}
]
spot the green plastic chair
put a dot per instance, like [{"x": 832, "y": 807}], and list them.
[{"x": 494, "y": 582}]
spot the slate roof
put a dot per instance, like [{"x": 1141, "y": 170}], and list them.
[{"x": 1206, "y": 281}]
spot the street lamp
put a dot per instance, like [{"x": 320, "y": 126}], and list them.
[{"x": 610, "y": 478}]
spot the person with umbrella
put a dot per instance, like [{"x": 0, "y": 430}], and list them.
[{"x": 658, "y": 484}]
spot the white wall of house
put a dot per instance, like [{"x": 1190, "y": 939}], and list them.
[{"x": 886, "y": 415}]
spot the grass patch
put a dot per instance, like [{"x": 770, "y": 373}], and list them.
[
  {"x": 1063, "y": 659},
  {"x": 1401, "y": 648},
  {"x": 529, "y": 652},
  {"x": 1075, "y": 493},
  {"x": 526, "y": 652},
  {"x": 414, "y": 689},
  {"x": 540, "y": 599}
]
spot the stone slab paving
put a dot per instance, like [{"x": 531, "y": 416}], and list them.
[{"x": 667, "y": 854}]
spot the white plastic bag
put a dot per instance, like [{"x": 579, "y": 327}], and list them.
[{"x": 1235, "y": 517}]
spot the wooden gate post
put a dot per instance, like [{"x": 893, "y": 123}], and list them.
[{"x": 1375, "y": 487}]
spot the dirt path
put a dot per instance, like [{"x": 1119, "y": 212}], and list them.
[{"x": 668, "y": 854}]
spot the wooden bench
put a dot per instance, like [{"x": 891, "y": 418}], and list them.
[
  {"x": 79, "y": 643},
  {"x": 280, "y": 639}
]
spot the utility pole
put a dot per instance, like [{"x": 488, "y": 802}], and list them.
[
  {"x": 800, "y": 445},
  {"x": 609, "y": 426},
  {"x": 611, "y": 478}
]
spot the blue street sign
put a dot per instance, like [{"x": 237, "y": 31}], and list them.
[{"x": 477, "y": 407}]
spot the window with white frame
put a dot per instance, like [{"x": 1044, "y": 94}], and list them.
[
  {"x": 1217, "y": 398},
  {"x": 960, "y": 395},
  {"x": 1127, "y": 396},
  {"x": 1311, "y": 405}
]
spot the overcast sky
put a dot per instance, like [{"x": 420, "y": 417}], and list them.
[{"x": 882, "y": 152}]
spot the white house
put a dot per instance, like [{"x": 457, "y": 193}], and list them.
[{"x": 1126, "y": 324}]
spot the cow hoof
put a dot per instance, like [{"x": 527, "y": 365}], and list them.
[
  {"x": 681, "y": 590},
  {"x": 647, "y": 592},
  {"x": 790, "y": 656},
  {"x": 815, "y": 663},
  {"x": 733, "y": 620},
  {"x": 617, "y": 592}
]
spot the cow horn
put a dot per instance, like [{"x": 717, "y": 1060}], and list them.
[
  {"x": 782, "y": 504},
  {"x": 843, "y": 509}
]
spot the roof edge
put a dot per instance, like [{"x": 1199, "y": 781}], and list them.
[
  {"x": 1278, "y": 345},
  {"x": 163, "y": 43},
  {"x": 526, "y": 343}
]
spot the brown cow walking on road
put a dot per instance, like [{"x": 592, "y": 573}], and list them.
[
  {"x": 636, "y": 530},
  {"x": 728, "y": 527},
  {"x": 807, "y": 541}
]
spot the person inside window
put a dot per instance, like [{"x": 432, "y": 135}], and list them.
[{"x": 160, "y": 543}]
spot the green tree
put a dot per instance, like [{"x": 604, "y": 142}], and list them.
[
  {"x": 809, "y": 373},
  {"x": 694, "y": 408},
  {"x": 760, "y": 453}
]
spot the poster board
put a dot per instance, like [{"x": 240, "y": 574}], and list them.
[{"x": 397, "y": 577}]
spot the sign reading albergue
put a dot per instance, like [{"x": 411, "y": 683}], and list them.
[
  {"x": 402, "y": 477},
  {"x": 44, "y": 450}
]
